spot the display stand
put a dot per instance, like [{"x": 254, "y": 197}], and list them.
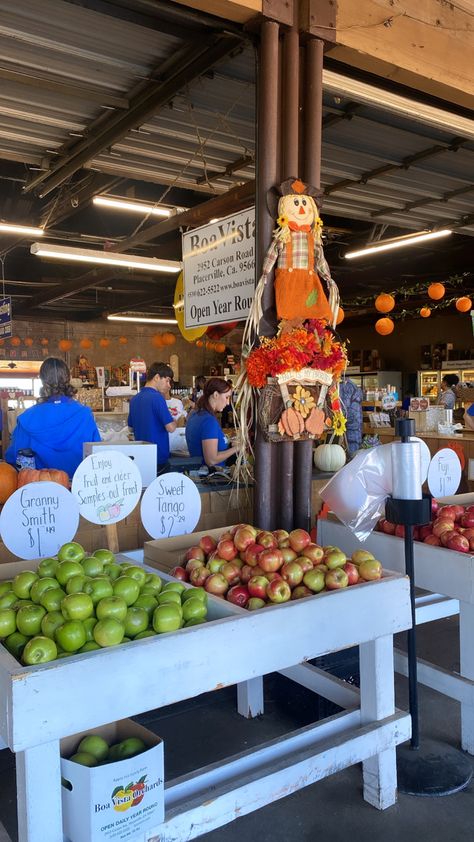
[{"x": 434, "y": 768}]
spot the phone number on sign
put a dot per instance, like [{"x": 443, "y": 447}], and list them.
[{"x": 213, "y": 289}]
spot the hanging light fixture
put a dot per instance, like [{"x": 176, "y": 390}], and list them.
[
  {"x": 398, "y": 242},
  {"x": 141, "y": 319},
  {"x": 26, "y": 230},
  {"x": 108, "y": 258},
  {"x": 144, "y": 208}
]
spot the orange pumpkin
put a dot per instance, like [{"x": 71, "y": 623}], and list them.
[
  {"x": 157, "y": 340},
  {"x": 28, "y": 342},
  {"x": 15, "y": 341},
  {"x": 8, "y": 481},
  {"x": 85, "y": 344},
  {"x": 28, "y": 475},
  {"x": 64, "y": 344},
  {"x": 463, "y": 304},
  {"x": 384, "y": 302},
  {"x": 104, "y": 342},
  {"x": 384, "y": 326},
  {"x": 425, "y": 312},
  {"x": 123, "y": 340},
  {"x": 436, "y": 291}
]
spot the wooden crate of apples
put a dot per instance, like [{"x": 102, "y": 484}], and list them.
[
  {"x": 252, "y": 568},
  {"x": 451, "y": 527}
]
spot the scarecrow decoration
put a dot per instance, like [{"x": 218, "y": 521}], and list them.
[{"x": 297, "y": 371}]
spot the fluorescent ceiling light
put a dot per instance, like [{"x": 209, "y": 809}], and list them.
[
  {"x": 398, "y": 242},
  {"x": 147, "y": 319},
  {"x": 133, "y": 207},
  {"x": 109, "y": 258},
  {"x": 10, "y": 228}
]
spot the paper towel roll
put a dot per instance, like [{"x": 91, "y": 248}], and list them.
[{"x": 406, "y": 470}]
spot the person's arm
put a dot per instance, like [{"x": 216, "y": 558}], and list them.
[
  {"x": 171, "y": 427},
  {"x": 164, "y": 415},
  {"x": 469, "y": 417},
  {"x": 19, "y": 440},
  {"x": 213, "y": 456}
]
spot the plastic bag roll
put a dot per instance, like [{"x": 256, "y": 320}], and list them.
[{"x": 406, "y": 470}]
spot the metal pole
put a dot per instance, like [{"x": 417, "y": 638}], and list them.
[{"x": 412, "y": 663}]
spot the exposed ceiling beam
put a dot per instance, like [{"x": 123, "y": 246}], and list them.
[
  {"x": 77, "y": 196},
  {"x": 155, "y": 94},
  {"x": 70, "y": 89}
]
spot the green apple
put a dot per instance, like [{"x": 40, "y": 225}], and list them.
[
  {"x": 137, "y": 573},
  {"x": 146, "y": 601},
  {"x": 114, "y": 754},
  {"x": 21, "y": 602},
  {"x": 154, "y": 582},
  {"x": 47, "y": 567},
  {"x": 28, "y": 619},
  {"x": 191, "y": 593},
  {"x": 63, "y": 654},
  {"x": 8, "y": 599},
  {"x": 136, "y": 621},
  {"x": 89, "y": 627},
  {"x": 194, "y": 609},
  {"x": 314, "y": 580},
  {"x": 76, "y": 583},
  {"x": 130, "y": 747},
  {"x": 84, "y": 758},
  {"x": 106, "y": 556},
  {"x": 72, "y": 551},
  {"x": 39, "y": 650},
  {"x": 6, "y": 586},
  {"x": 127, "y": 588},
  {"x": 174, "y": 586},
  {"x": 99, "y": 588},
  {"x": 52, "y": 598},
  {"x": 195, "y": 621},
  {"x": 15, "y": 643},
  {"x": 90, "y": 646},
  {"x": 169, "y": 596},
  {"x": 108, "y": 632},
  {"x": 50, "y": 623},
  {"x": 22, "y": 583},
  {"x": 70, "y": 636},
  {"x": 111, "y": 606},
  {"x": 8, "y": 622},
  {"x": 125, "y": 564},
  {"x": 77, "y": 606},
  {"x": 40, "y": 586},
  {"x": 167, "y": 618},
  {"x": 96, "y": 745},
  {"x": 113, "y": 571},
  {"x": 66, "y": 569},
  {"x": 146, "y": 633},
  {"x": 92, "y": 565}
]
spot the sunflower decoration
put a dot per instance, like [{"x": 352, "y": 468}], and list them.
[
  {"x": 318, "y": 224},
  {"x": 339, "y": 423},
  {"x": 282, "y": 220},
  {"x": 303, "y": 401}
]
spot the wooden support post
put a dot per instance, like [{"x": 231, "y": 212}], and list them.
[
  {"x": 111, "y": 532},
  {"x": 250, "y": 698}
]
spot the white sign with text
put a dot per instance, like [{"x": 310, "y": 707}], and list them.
[
  {"x": 38, "y": 519},
  {"x": 171, "y": 505},
  {"x": 107, "y": 486},
  {"x": 444, "y": 473},
  {"x": 219, "y": 270}
]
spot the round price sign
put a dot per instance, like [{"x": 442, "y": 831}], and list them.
[
  {"x": 444, "y": 473},
  {"x": 38, "y": 519},
  {"x": 171, "y": 505},
  {"x": 107, "y": 486}
]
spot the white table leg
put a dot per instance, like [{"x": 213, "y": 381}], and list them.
[
  {"x": 466, "y": 638},
  {"x": 38, "y": 776},
  {"x": 377, "y": 700},
  {"x": 250, "y": 698}
]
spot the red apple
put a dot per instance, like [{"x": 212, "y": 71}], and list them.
[
  {"x": 238, "y": 595},
  {"x": 258, "y": 571},
  {"x": 216, "y": 584},
  {"x": 300, "y": 592},
  {"x": 335, "y": 558},
  {"x": 198, "y": 576},
  {"x": 440, "y": 526},
  {"x": 180, "y": 573},
  {"x": 243, "y": 538},
  {"x": 448, "y": 512},
  {"x": 227, "y": 550},
  {"x": 458, "y": 543},
  {"x": 361, "y": 555},
  {"x": 370, "y": 569},
  {"x": 313, "y": 552},
  {"x": 215, "y": 564},
  {"x": 207, "y": 544},
  {"x": 272, "y": 576},
  {"x": 400, "y": 530},
  {"x": 352, "y": 572},
  {"x": 337, "y": 578},
  {"x": 388, "y": 527},
  {"x": 252, "y": 553},
  {"x": 323, "y": 567},
  {"x": 467, "y": 520},
  {"x": 446, "y": 536},
  {"x": 278, "y": 591},
  {"x": 246, "y": 573},
  {"x": 288, "y": 554},
  {"x": 195, "y": 552},
  {"x": 230, "y": 571},
  {"x": 238, "y": 562},
  {"x": 432, "y": 539},
  {"x": 468, "y": 533},
  {"x": 227, "y": 536},
  {"x": 305, "y": 563},
  {"x": 292, "y": 573},
  {"x": 460, "y": 511},
  {"x": 282, "y": 537},
  {"x": 270, "y": 560},
  {"x": 266, "y": 540},
  {"x": 299, "y": 539},
  {"x": 469, "y": 510},
  {"x": 471, "y": 544},
  {"x": 425, "y": 531},
  {"x": 257, "y": 586},
  {"x": 434, "y": 507},
  {"x": 192, "y": 564}
]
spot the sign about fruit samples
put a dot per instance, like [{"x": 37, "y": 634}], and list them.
[
  {"x": 107, "y": 486},
  {"x": 444, "y": 473},
  {"x": 38, "y": 518},
  {"x": 171, "y": 505}
]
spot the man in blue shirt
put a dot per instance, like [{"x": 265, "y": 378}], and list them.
[{"x": 149, "y": 416}]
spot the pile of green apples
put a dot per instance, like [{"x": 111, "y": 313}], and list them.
[
  {"x": 94, "y": 750},
  {"x": 79, "y": 603}
]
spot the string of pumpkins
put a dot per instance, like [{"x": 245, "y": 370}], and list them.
[
  {"x": 385, "y": 302},
  {"x": 218, "y": 347}
]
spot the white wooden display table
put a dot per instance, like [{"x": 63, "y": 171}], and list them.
[
  {"x": 40, "y": 705},
  {"x": 449, "y": 576}
]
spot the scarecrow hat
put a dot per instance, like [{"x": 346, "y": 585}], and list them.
[{"x": 290, "y": 187}]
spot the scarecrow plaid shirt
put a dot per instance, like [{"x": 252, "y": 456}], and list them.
[{"x": 299, "y": 255}]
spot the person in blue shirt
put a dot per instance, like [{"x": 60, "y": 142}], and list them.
[
  {"x": 57, "y": 426},
  {"x": 149, "y": 416},
  {"x": 203, "y": 432}
]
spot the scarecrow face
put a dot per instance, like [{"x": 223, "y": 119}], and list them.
[{"x": 299, "y": 209}]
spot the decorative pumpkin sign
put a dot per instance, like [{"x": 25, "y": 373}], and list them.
[{"x": 27, "y": 475}]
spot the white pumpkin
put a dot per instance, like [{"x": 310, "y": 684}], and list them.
[{"x": 329, "y": 457}]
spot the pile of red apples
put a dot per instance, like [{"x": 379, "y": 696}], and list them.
[
  {"x": 452, "y": 527},
  {"x": 253, "y": 568}
]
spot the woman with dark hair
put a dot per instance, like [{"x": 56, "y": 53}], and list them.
[
  {"x": 447, "y": 398},
  {"x": 57, "y": 427},
  {"x": 203, "y": 432}
]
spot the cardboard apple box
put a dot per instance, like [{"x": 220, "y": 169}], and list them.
[
  {"x": 166, "y": 553},
  {"x": 114, "y": 801}
]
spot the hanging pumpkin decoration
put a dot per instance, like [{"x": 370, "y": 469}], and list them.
[
  {"x": 220, "y": 347},
  {"x": 384, "y": 326},
  {"x": 425, "y": 312},
  {"x": 44, "y": 341},
  {"x": 64, "y": 344},
  {"x": 169, "y": 339},
  {"x": 210, "y": 346},
  {"x": 463, "y": 304},
  {"x": 436, "y": 291},
  {"x": 384, "y": 302},
  {"x": 28, "y": 342},
  {"x": 104, "y": 342},
  {"x": 85, "y": 344},
  {"x": 123, "y": 340},
  {"x": 8, "y": 481},
  {"x": 15, "y": 341},
  {"x": 157, "y": 340},
  {"x": 340, "y": 316},
  {"x": 199, "y": 344}
]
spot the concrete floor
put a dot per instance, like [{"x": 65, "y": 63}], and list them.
[{"x": 202, "y": 730}]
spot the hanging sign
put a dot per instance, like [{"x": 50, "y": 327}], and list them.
[
  {"x": 171, "y": 505},
  {"x": 219, "y": 270},
  {"x": 100, "y": 371},
  {"x": 107, "y": 486},
  {"x": 444, "y": 473},
  {"x": 38, "y": 519},
  {"x": 5, "y": 317},
  {"x": 137, "y": 364}
]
